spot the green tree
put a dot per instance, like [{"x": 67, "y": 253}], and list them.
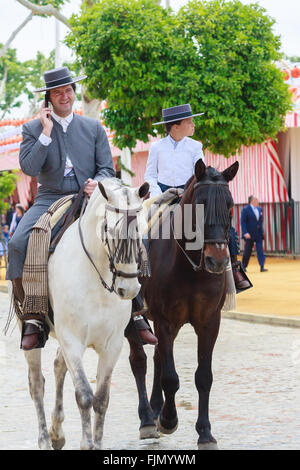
[
  {"x": 19, "y": 78},
  {"x": 239, "y": 86},
  {"x": 8, "y": 182},
  {"x": 126, "y": 49},
  {"x": 12, "y": 77},
  {"x": 217, "y": 55}
]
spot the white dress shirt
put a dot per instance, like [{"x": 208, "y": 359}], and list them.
[
  {"x": 256, "y": 211},
  {"x": 45, "y": 140},
  {"x": 171, "y": 163}
]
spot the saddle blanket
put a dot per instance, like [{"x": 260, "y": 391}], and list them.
[{"x": 35, "y": 272}]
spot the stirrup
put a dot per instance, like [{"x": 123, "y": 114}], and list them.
[
  {"x": 140, "y": 324},
  {"x": 39, "y": 327}
]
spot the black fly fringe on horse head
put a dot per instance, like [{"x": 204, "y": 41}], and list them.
[
  {"x": 217, "y": 212},
  {"x": 126, "y": 245}
]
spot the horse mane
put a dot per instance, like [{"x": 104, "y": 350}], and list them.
[{"x": 218, "y": 197}]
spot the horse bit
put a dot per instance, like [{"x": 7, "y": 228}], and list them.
[{"x": 131, "y": 216}]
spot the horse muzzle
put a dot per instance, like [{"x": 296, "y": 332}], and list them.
[
  {"x": 216, "y": 257},
  {"x": 127, "y": 289},
  {"x": 215, "y": 266}
]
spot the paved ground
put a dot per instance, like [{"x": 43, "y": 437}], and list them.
[
  {"x": 275, "y": 292},
  {"x": 255, "y": 399}
]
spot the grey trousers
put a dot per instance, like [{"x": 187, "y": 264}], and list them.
[{"x": 18, "y": 244}]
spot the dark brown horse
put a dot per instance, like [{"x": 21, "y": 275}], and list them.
[{"x": 186, "y": 286}]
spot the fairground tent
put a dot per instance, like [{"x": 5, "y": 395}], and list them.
[{"x": 271, "y": 170}]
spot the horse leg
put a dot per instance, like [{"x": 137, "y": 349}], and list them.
[
  {"x": 83, "y": 390},
  {"x": 36, "y": 387},
  {"x": 56, "y": 431},
  {"x": 156, "y": 400},
  {"x": 167, "y": 420},
  {"x": 207, "y": 335},
  {"x": 100, "y": 402},
  {"x": 138, "y": 363}
]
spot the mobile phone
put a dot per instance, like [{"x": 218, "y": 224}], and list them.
[{"x": 47, "y": 102}]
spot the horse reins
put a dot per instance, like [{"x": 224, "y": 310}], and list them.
[
  {"x": 115, "y": 272},
  {"x": 198, "y": 267}
]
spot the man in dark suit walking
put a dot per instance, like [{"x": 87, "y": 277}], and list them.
[{"x": 252, "y": 232}]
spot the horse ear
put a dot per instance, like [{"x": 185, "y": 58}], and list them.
[
  {"x": 231, "y": 171},
  {"x": 143, "y": 190},
  {"x": 200, "y": 169},
  {"x": 103, "y": 192}
]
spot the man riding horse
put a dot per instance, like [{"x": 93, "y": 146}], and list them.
[{"x": 65, "y": 151}]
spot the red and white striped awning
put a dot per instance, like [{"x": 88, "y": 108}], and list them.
[
  {"x": 24, "y": 189},
  {"x": 292, "y": 120},
  {"x": 259, "y": 174},
  {"x": 260, "y": 171}
]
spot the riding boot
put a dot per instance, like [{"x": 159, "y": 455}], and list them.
[
  {"x": 138, "y": 328},
  {"x": 240, "y": 278},
  {"x": 35, "y": 330}
]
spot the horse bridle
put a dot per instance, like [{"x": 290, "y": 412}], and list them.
[
  {"x": 111, "y": 256},
  {"x": 198, "y": 267}
]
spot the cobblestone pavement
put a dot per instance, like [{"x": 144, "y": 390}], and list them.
[{"x": 255, "y": 398}]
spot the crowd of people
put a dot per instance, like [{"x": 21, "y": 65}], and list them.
[{"x": 10, "y": 221}]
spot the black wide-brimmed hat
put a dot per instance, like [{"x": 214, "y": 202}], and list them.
[
  {"x": 176, "y": 113},
  {"x": 58, "y": 77}
]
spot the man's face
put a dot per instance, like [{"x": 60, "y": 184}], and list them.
[
  {"x": 62, "y": 99},
  {"x": 186, "y": 127},
  {"x": 254, "y": 202}
]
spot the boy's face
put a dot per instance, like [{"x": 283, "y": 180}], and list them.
[{"x": 186, "y": 128}]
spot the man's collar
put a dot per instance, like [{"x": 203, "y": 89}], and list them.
[{"x": 59, "y": 118}]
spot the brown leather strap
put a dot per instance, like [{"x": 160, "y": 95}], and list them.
[{"x": 69, "y": 217}]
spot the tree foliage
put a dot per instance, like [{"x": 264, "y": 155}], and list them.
[
  {"x": 240, "y": 88},
  {"x": 12, "y": 74},
  {"x": 217, "y": 55},
  {"x": 8, "y": 182},
  {"x": 124, "y": 46},
  {"x": 21, "y": 78}
]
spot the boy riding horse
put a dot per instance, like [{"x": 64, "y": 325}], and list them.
[{"x": 171, "y": 163}]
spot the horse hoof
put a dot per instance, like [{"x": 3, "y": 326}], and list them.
[
  {"x": 165, "y": 430},
  {"x": 44, "y": 444},
  {"x": 58, "y": 444},
  {"x": 149, "y": 432},
  {"x": 208, "y": 446},
  {"x": 57, "y": 438}
]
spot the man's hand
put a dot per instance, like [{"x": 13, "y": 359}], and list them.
[
  {"x": 247, "y": 235},
  {"x": 91, "y": 185},
  {"x": 46, "y": 120}
]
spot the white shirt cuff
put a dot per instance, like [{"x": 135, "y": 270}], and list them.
[{"x": 45, "y": 140}]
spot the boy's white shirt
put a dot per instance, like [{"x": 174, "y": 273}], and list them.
[{"x": 171, "y": 163}]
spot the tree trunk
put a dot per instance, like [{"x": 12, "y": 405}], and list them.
[
  {"x": 126, "y": 165},
  {"x": 14, "y": 33},
  {"x": 90, "y": 108}
]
